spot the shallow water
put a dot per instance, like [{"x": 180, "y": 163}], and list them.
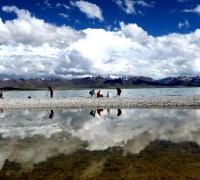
[
  {"x": 29, "y": 137},
  {"x": 192, "y": 91}
]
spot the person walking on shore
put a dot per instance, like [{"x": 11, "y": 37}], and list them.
[
  {"x": 118, "y": 91},
  {"x": 51, "y": 91}
]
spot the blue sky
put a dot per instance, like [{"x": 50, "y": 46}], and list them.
[
  {"x": 80, "y": 38},
  {"x": 157, "y": 17}
]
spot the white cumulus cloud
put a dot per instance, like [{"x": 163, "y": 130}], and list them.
[
  {"x": 184, "y": 24},
  {"x": 129, "y": 6},
  {"x": 91, "y": 10},
  {"x": 30, "y": 47},
  {"x": 27, "y": 29},
  {"x": 195, "y": 10}
]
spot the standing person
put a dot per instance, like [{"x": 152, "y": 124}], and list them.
[
  {"x": 118, "y": 91},
  {"x": 51, "y": 91},
  {"x": 1, "y": 95}
]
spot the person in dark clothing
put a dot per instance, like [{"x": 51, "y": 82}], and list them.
[
  {"x": 51, "y": 115},
  {"x": 1, "y": 95},
  {"x": 119, "y": 112},
  {"x": 92, "y": 93},
  {"x": 93, "y": 112},
  {"x": 51, "y": 91},
  {"x": 118, "y": 91}
]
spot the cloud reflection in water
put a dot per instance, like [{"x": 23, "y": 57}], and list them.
[{"x": 24, "y": 133}]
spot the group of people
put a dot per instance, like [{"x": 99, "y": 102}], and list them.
[
  {"x": 92, "y": 93},
  {"x": 99, "y": 93},
  {"x": 99, "y": 112}
]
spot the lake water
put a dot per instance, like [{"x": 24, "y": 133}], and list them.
[
  {"x": 94, "y": 143},
  {"x": 125, "y": 92}
]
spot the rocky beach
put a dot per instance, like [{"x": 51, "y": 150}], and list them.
[{"x": 112, "y": 102}]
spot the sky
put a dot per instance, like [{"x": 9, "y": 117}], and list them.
[{"x": 78, "y": 38}]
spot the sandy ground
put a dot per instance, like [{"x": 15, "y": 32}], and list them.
[{"x": 113, "y": 102}]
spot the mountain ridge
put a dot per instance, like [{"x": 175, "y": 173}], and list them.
[{"x": 98, "y": 82}]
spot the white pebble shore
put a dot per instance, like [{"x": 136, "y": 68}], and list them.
[{"x": 113, "y": 102}]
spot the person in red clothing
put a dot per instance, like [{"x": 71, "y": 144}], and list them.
[
  {"x": 99, "y": 111},
  {"x": 99, "y": 94}
]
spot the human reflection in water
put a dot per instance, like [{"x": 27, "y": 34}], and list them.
[
  {"x": 93, "y": 112},
  {"x": 119, "y": 112},
  {"x": 1, "y": 110},
  {"x": 99, "y": 111},
  {"x": 51, "y": 114}
]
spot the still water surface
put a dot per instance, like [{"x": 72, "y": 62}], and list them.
[
  {"x": 125, "y": 92},
  {"x": 24, "y": 133}
]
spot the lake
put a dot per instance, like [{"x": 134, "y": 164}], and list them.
[
  {"x": 100, "y": 143},
  {"x": 182, "y": 91}
]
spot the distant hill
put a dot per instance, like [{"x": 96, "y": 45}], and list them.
[{"x": 98, "y": 82}]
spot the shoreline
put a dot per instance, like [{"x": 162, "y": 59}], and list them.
[{"x": 191, "y": 102}]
